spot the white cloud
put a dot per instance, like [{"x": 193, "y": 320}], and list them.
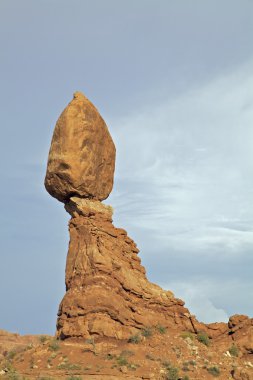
[
  {"x": 198, "y": 302},
  {"x": 187, "y": 165},
  {"x": 184, "y": 177}
]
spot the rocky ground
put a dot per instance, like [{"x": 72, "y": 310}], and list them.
[{"x": 155, "y": 353}]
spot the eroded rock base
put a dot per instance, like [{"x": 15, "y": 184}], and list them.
[{"x": 108, "y": 293}]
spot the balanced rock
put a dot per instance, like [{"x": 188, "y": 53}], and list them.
[
  {"x": 107, "y": 291},
  {"x": 82, "y": 155}
]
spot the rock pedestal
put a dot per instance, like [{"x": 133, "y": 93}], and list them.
[{"x": 108, "y": 293}]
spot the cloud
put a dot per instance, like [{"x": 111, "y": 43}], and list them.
[
  {"x": 184, "y": 176},
  {"x": 198, "y": 301}
]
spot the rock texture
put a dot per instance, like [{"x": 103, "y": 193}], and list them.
[
  {"x": 241, "y": 331},
  {"x": 107, "y": 292},
  {"x": 108, "y": 297},
  {"x": 82, "y": 156}
]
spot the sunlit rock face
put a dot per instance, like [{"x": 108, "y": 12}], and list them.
[
  {"x": 107, "y": 291},
  {"x": 82, "y": 155}
]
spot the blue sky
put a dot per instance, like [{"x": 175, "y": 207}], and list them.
[{"x": 173, "y": 80}]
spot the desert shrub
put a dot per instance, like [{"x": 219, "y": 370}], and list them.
[
  {"x": 127, "y": 353},
  {"x": 172, "y": 374},
  {"x": 54, "y": 345},
  {"x": 147, "y": 332},
  {"x": 185, "y": 367},
  {"x": 42, "y": 338},
  {"x": 90, "y": 341},
  {"x": 110, "y": 356},
  {"x": 11, "y": 354},
  {"x": 14, "y": 376},
  {"x": 214, "y": 371},
  {"x": 121, "y": 360},
  {"x": 74, "y": 378},
  {"x": 133, "y": 367},
  {"x": 69, "y": 366},
  {"x": 171, "y": 371},
  {"x": 28, "y": 347},
  {"x": 150, "y": 357},
  {"x": 185, "y": 378},
  {"x": 203, "y": 338},
  {"x": 187, "y": 334},
  {"x": 233, "y": 350},
  {"x": 161, "y": 329},
  {"x": 134, "y": 339}
]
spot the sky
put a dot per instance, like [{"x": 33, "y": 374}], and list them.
[{"x": 173, "y": 80}]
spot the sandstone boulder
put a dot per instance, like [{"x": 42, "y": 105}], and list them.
[
  {"x": 82, "y": 155},
  {"x": 241, "y": 331}
]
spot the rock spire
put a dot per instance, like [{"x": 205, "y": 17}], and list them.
[{"x": 107, "y": 291}]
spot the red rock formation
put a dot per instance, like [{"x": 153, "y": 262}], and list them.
[
  {"x": 241, "y": 331},
  {"x": 107, "y": 292},
  {"x": 82, "y": 156}
]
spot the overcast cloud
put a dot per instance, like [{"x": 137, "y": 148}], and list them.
[{"x": 187, "y": 183}]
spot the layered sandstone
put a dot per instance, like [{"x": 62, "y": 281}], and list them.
[{"x": 107, "y": 291}]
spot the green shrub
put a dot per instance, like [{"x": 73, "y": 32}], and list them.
[
  {"x": 187, "y": 334},
  {"x": 185, "y": 367},
  {"x": 90, "y": 341},
  {"x": 203, "y": 338},
  {"x": 147, "y": 332},
  {"x": 11, "y": 354},
  {"x": 171, "y": 371},
  {"x": 69, "y": 366},
  {"x": 214, "y": 371},
  {"x": 110, "y": 356},
  {"x": 127, "y": 353},
  {"x": 14, "y": 376},
  {"x": 133, "y": 367},
  {"x": 134, "y": 339},
  {"x": 42, "y": 339},
  {"x": 161, "y": 329},
  {"x": 54, "y": 345},
  {"x": 28, "y": 347},
  {"x": 167, "y": 364},
  {"x": 234, "y": 350},
  {"x": 121, "y": 360},
  {"x": 172, "y": 374},
  {"x": 74, "y": 378}
]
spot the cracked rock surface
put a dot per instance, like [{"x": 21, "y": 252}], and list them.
[{"x": 82, "y": 155}]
